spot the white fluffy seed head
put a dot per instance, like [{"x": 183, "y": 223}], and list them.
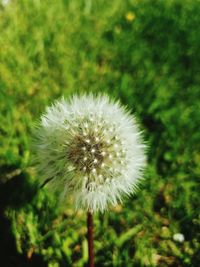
[{"x": 89, "y": 147}]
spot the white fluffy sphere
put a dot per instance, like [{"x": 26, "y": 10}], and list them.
[{"x": 89, "y": 147}]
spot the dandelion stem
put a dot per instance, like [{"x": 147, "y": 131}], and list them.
[{"x": 90, "y": 239}]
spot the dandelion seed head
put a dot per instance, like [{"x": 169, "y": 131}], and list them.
[{"x": 90, "y": 147}]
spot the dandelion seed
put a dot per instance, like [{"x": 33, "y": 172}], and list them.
[
  {"x": 94, "y": 170},
  {"x": 95, "y": 161},
  {"x": 93, "y": 150},
  {"x": 100, "y": 177},
  {"x": 103, "y": 165},
  {"x": 86, "y": 125}
]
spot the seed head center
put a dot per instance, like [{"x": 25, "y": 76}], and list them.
[{"x": 87, "y": 153}]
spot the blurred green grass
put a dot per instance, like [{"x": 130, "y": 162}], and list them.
[{"x": 144, "y": 52}]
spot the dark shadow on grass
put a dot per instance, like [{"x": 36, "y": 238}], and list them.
[{"x": 15, "y": 193}]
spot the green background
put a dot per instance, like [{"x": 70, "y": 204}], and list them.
[{"x": 144, "y": 52}]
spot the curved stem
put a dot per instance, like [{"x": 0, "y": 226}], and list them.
[{"x": 90, "y": 239}]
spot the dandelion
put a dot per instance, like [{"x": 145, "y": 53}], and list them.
[
  {"x": 130, "y": 16},
  {"x": 89, "y": 147}
]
